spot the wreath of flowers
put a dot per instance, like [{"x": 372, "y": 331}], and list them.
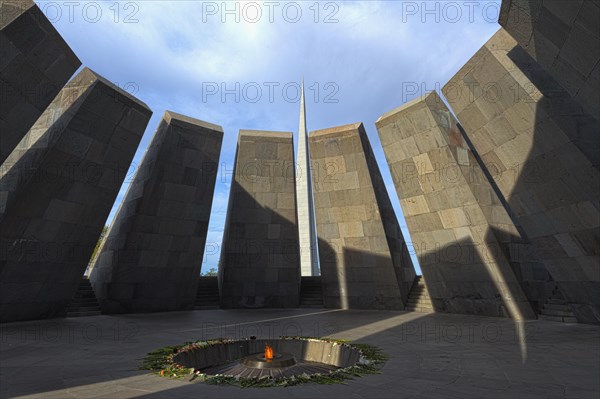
[{"x": 161, "y": 362}]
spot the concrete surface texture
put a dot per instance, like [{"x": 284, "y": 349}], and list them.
[
  {"x": 36, "y": 63},
  {"x": 434, "y": 356},
  {"x": 260, "y": 264},
  {"x": 150, "y": 260},
  {"x": 563, "y": 36},
  {"x": 543, "y": 152},
  {"x": 363, "y": 257},
  {"x": 460, "y": 229},
  {"x": 57, "y": 191}
]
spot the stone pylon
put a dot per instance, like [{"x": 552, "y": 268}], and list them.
[
  {"x": 151, "y": 258},
  {"x": 461, "y": 232},
  {"x": 36, "y": 64},
  {"x": 307, "y": 234},
  {"x": 56, "y": 190},
  {"x": 541, "y": 148},
  {"x": 363, "y": 256},
  {"x": 259, "y": 265}
]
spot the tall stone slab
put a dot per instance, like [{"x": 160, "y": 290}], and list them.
[
  {"x": 35, "y": 63},
  {"x": 563, "y": 36},
  {"x": 461, "y": 231},
  {"x": 57, "y": 189},
  {"x": 151, "y": 258},
  {"x": 363, "y": 257},
  {"x": 260, "y": 264},
  {"x": 543, "y": 150}
]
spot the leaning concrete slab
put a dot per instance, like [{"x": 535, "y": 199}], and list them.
[
  {"x": 544, "y": 152},
  {"x": 35, "y": 64},
  {"x": 363, "y": 257},
  {"x": 563, "y": 36},
  {"x": 151, "y": 258},
  {"x": 57, "y": 188},
  {"x": 460, "y": 229},
  {"x": 260, "y": 264}
]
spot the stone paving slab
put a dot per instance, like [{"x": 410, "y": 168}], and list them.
[{"x": 432, "y": 356}]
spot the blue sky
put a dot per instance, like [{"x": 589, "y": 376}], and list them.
[{"x": 359, "y": 60}]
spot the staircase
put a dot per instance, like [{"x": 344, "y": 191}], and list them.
[
  {"x": 557, "y": 308},
  {"x": 84, "y": 303},
  {"x": 207, "y": 296},
  {"x": 311, "y": 292},
  {"x": 418, "y": 298}
]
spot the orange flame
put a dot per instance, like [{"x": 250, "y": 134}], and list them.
[{"x": 268, "y": 352}]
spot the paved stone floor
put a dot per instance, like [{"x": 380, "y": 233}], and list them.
[{"x": 432, "y": 356}]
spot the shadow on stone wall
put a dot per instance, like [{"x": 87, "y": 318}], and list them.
[
  {"x": 356, "y": 284},
  {"x": 260, "y": 261},
  {"x": 560, "y": 178}
]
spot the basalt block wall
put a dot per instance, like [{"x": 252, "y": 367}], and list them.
[
  {"x": 57, "y": 188},
  {"x": 260, "y": 264},
  {"x": 363, "y": 256},
  {"x": 544, "y": 151},
  {"x": 35, "y": 64},
  {"x": 150, "y": 260},
  {"x": 459, "y": 227},
  {"x": 563, "y": 36}
]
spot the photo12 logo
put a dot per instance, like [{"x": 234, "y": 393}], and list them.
[
  {"x": 270, "y": 11},
  {"x": 254, "y": 92},
  {"x": 126, "y": 12},
  {"x": 450, "y": 11}
]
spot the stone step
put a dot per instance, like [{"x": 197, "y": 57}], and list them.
[
  {"x": 557, "y": 301},
  {"x": 85, "y": 292},
  {"x": 84, "y": 313},
  {"x": 83, "y": 305},
  {"x": 557, "y": 309},
  {"x": 417, "y": 297},
  {"x": 427, "y": 304},
  {"x": 419, "y": 310},
  {"x": 557, "y": 294},
  {"x": 79, "y": 310},
  {"x": 559, "y": 319},
  {"x": 555, "y": 312},
  {"x": 555, "y": 306},
  {"x": 420, "y": 305},
  {"x": 84, "y": 300},
  {"x": 412, "y": 305}
]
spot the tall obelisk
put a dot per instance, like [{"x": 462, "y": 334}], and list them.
[{"x": 306, "y": 220}]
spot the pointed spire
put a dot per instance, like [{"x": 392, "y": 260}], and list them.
[
  {"x": 302, "y": 129},
  {"x": 304, "y": 198}
]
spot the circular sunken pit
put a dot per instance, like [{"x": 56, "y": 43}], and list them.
[
  {"x": 260, "y": 362},
  {"x": 246, "y": 358}
]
